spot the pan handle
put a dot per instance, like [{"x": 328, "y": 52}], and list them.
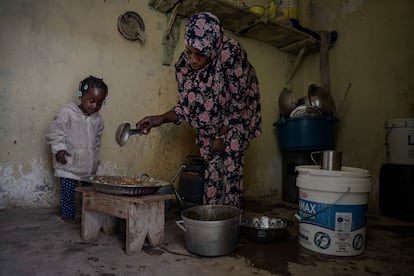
[
  {"x": 178, "y": 173},
  {"x": 177, "y": 195},
  {"x": 180, "y": 223}
]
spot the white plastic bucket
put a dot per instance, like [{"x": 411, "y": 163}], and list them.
[
  {"x": 332, "y": 209},
  {"x": 399, "y": 140}
]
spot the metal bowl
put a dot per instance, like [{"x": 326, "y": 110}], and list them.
[
  {"x": 264, "y": 228},
  {"x": 286, "y": 102},
  {"x": 322, "y": 99},
  {"x": 305, "y": 111},
  {"x": 303, "y": 101}
]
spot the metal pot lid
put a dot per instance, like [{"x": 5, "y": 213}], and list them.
[{"x": 131, "y": 26}]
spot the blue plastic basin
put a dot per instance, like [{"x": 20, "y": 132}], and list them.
[{"x": 307, "y": 133}]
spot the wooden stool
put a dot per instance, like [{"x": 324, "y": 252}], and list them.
[{"x": 144, "y": 216}]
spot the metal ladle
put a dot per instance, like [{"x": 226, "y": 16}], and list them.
[{"x": 124, "y": 131}]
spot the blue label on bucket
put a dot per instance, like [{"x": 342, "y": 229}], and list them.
[{"x": 324, "y": 215}]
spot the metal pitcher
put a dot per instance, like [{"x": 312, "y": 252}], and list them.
[{"x": 328, "y": 159}]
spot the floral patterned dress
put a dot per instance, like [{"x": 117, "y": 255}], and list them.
[{"x": 224, "y": 92}]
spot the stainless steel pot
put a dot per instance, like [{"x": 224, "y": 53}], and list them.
[{"x": 211, "y": 230}]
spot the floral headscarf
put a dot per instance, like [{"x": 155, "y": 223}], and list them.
[{"x": 205, "y": 33}]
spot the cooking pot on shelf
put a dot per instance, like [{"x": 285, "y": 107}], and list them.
[{"x": 211, "y": 230}]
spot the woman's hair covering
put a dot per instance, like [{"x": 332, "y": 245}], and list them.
[{"x": 205, "y": 33}]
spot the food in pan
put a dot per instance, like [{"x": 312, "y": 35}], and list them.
[
  {"x": 124, "y": 185},
  {"x": 123, "y": 180}
]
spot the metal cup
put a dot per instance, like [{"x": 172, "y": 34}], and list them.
[{"x": 328, "y": 160}]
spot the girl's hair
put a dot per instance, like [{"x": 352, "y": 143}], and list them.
[{"x": 92, "y": 82}]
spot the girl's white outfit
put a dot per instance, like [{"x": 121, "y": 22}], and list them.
[{"x": 80, "y": 135}]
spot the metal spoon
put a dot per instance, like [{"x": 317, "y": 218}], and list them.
[{"x": 124, "y": 131}]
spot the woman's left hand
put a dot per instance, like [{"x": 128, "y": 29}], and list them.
[{"x": 217, "y": 147}]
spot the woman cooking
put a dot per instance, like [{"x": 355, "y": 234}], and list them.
[{"x": 219, "y": 97}]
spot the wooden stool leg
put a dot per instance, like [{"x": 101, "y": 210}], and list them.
[
  {"x": 110, "y": 225},
  {"x": 91, "y": 224},
  {"x": 144, "y": 219},
  {"x": 156, "y": 223}
]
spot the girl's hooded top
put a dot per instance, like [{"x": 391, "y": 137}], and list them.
[
  {"x": 225, "y": 91},
  {"x": 80, "y": 135}
]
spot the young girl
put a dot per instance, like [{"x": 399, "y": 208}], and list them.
[{"x": 75, "y": 140}]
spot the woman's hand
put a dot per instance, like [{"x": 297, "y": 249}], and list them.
[
  {"x": 217, "y": 147},
  {"x": 61, "y": 156},
  {"x": 218, "y": 143},
  {"x": 149, "y": 122},
  {"x": 153, "y": 121}
]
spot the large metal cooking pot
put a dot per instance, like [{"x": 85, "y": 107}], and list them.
[{"x": 211, "y": 230}]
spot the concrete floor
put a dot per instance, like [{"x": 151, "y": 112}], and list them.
[{"x": 37, "y": 242}]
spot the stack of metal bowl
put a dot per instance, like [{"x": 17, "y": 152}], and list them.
[{"x": 318, "y": 103}]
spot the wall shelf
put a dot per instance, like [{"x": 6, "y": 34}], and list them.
[{"x": 244, "y": 23}]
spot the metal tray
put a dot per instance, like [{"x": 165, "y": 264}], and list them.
[{"x": 123, "y": 185}]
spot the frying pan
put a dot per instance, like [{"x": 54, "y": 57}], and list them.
[
  {"x": 131, "y": 26},
  {"x": 124, "y": 131},
  {"x": 121, "y": 136}
]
